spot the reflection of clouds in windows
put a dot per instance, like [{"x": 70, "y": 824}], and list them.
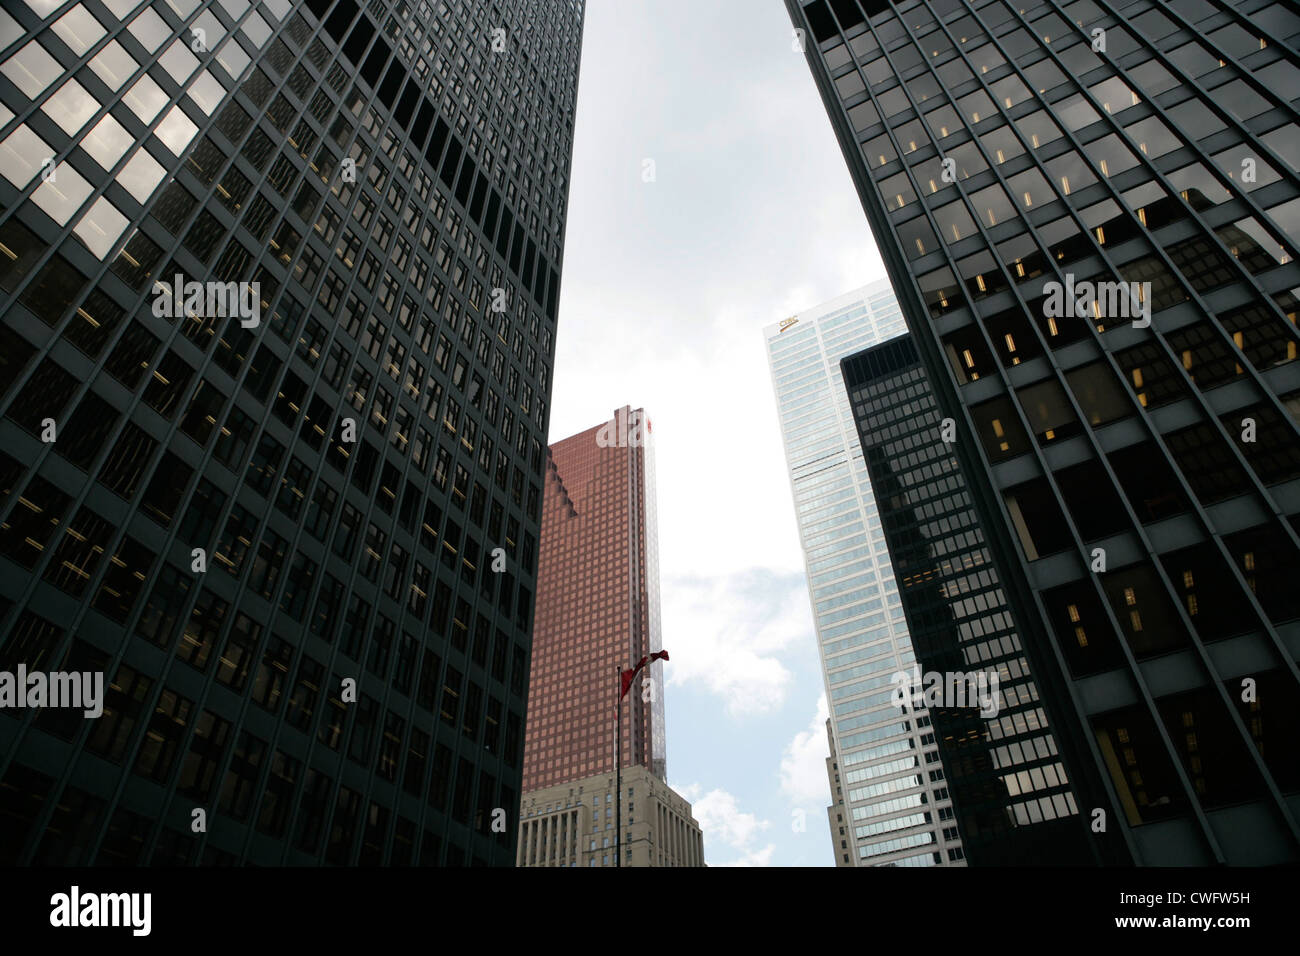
[
  {"x": 71, "y": 107},
  {"x": 121, "y": 8},
  {"x": 43, "y": 8},
  {"x": 22, "y": 155},
  {"x": 141, "y": 176},
  {"x": 179, "y": 62},
  {"x": 183, "y": 7},
  {"x": 145, "y": 98},
  {"x": 207, "y": 92},
  {"x": 101, "y": 227},
  {"x": 235, "y": 8},
  {"x": 150, "y": 30},
  {"x": 255, "y": 29},
  {"x": 78, "y": 29},
  {"x": 176, "y": 130},
  {"x": 107, "y": 142},
  {"x": 233, "y": 59},
  {"x": 62, "y": 194},
  {"x": 113, "y": 65},
  {"x": 9, "y": 30},
  {"x": 31, "y": 69}
]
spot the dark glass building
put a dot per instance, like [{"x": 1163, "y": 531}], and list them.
[
  {"x": 1014, "y": 800},
  {"x": 321, "y": 464},
  {"x": 1089, "y": 211}
]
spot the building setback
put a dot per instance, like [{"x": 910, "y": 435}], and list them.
[
  {"x": 1132, "y": 454},
  {"x": 1010, "y": 788},
  {"x": 230, "y": 515},
  {"x": 884, "y": 757},
  {"x": 837, "y": 812}
]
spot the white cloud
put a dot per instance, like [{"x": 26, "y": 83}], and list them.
[
  {"x": 762, "y": 857},
  {"x": 722, "y": 822},
  {"x": 720, "y": 816},
  {"x": 727, "y": 634},
  {"x": 803, "y": 765}
]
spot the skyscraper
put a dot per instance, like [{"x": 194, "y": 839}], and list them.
[
  {"x": 899, "y": 810},
  {"x": 281, "y": 285},
  {"x": 1015, "y": 801},
  {"x": 1089, "y": 213},
  {"x": 597, "y": 607},
  {"x": 597, "y": 614}
]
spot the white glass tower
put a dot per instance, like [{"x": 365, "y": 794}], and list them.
[{"x": 892, "y": 779}]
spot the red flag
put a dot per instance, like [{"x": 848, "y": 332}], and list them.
[{"x": 629, "y": 675}]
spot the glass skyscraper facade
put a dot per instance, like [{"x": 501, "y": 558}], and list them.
[
  {"x": 1015, "y": 800},
  {"x": 1089, "y": 211},
  {"x": 899, "y": 809},
  {"x": 292, "y": 518}
]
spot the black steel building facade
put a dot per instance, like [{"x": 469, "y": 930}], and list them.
[
  {"x": 234, "y": 505},
  {"x": 1134, "y": 458},
  {"x": 1015, "y": 800}
]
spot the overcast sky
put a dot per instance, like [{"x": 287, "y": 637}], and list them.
[{"x": 750, "y": 216}]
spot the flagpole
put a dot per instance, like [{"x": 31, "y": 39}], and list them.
[{"x": 618, "y": 771}]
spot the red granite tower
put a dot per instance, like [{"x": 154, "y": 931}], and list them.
[{"x": 597, "y": 607}]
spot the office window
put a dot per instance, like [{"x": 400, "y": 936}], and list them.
[
  {"x": 1148, "y": 482},
  {"x": 123, "y": 580},
  {"x": 1139, "y": 767},
  {"x": 1140, "y": 605},
  {"x": 124, "y": 704},
  {"x": 1213, "y": 755},
  {"x": 1083, "y": 633},
  {"x": 272, "y": 674},
  {"x": 277, "y": 796},
  {"x": 240, "y": 782},
  {"x": 1099, "y": 396},
  {"x": 1207, "y": 461}
]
